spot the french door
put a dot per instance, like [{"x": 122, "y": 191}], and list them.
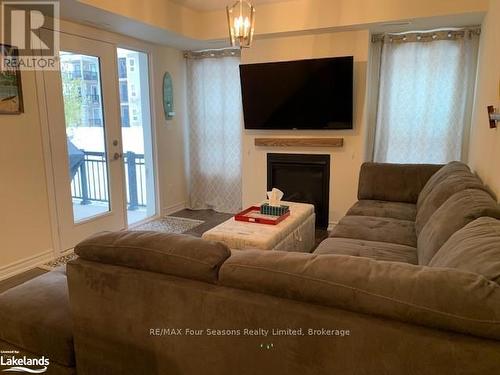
[{"x": 86, "y": 142}]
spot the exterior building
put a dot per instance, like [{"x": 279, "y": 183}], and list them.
[
  {"x": 129, "y": 83},
  {"x": 81, "y": 82},
  {"x": 81, "y": 79}
]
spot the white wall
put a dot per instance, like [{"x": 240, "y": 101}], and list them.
[
  {"x": 484, "y": 153},
  {"x": 25, "y": 224},
  {"x": 345, "y": 161}
]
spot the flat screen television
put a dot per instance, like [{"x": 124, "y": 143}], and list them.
[{"x": 303, "y": 94}]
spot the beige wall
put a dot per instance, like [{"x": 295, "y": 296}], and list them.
[
  {"x": 284, "y": 16},
  {"x": 170, "y": 134},
  {"x": 484, "y": 153},
  {"x": 164, "y": 14},
  {"x": 307, "y": 15},
  {"x": 25, "y": 225},
  {"x": 25, "y": 221},
  {"x": 344, "y": 161}
]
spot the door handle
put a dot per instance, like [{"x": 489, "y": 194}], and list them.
[{"x": 117, "y": 156}]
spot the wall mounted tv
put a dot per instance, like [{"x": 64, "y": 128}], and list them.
[{"x": 303, "y": 94}]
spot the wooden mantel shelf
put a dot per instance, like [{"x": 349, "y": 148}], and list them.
[{"x": 304, "y": 142}]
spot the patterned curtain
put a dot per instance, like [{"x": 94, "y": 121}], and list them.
[
  {"x": 214, "y": 127},
  {"x": 425, "y": 96}
]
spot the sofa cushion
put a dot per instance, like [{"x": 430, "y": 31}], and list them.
[
  {"x": 459, "y": 210},
  {"x": 395, "y": 210},
  {"x": 173, "y": 254},
  {"x": 474, "y": 248},
  {"x": 452, "y": 168},
  {"x": 442, "y": 191},
  {"x": 370, "y": 249},
  {"x": 35, "y": 316},
  {"x": 394, "y": 182},
  {"x": 442, "y": 298},
  {"x": 381, "y": 229}
]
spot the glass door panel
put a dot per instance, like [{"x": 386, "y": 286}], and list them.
[
  {"x": 133, "y": 77},
  {"x": 85, "y": 140},
  {"x": 85, "y": 132}
]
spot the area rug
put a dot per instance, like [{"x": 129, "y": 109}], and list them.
[
  {"x": 60, "y": 261},
  {"x": 168, "y": 224}
]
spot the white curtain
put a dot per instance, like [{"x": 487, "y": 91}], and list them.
[
  {"x": 425, "y": 99},
  {"x": 214, "y": 127}
]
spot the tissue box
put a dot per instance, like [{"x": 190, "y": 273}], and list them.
[{"x": 266, "y": 209}]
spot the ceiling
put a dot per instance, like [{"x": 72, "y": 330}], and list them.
[
  {"x": 206, "y": 5},
  {"x": 80, "y": 12}
]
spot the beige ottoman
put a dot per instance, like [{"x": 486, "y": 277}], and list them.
[{"x": 295, "y": 233}]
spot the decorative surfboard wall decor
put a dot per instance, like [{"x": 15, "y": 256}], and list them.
[{"x": 168, "y": 96}]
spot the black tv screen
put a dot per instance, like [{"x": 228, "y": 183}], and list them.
[{"x": 303, "y": 94}]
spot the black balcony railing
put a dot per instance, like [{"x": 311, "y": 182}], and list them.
[{"x": 90, "y": 182}]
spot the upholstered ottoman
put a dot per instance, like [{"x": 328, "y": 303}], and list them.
[
  {"x": 35, "y": 321},
  {"x": 295, "y": 233}
]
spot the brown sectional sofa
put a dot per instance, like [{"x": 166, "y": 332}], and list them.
[
  {"x": 407, "y": 217},
  {"x": 35, "y": 320},
  {"x": 406, "y": 284}
]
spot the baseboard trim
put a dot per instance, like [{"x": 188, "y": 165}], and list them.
[
  {"x": 174, "y": 208},
  {"x": 26, "y": 264},
  {"x": 331, "y": 225}
]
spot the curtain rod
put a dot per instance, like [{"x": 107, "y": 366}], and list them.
[
  {"x": 213, "y": 53},
  {"x": 427, "y": 36}
]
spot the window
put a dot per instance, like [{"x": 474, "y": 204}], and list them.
[
  {"x": 122, "y": 67},
  {"x": 97, "y": 117},
  {"x": 140, "y": 171},
  {"x": 94, "y": 94},
  {"x": 123, "y": 92},
  {"x": 76, "y": 69},
  {"x": 125, "y": 116},
  {"x": 425, "y": 96}
]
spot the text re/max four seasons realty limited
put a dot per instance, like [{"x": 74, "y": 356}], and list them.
[{"x": 248, "y": 332}]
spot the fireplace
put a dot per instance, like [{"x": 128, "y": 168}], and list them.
[{"x": 304, "y": 178}]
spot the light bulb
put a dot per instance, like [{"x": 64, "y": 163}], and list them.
[
  {"x": 246, "y": 27},
  {"x": 239, "y": 25}
]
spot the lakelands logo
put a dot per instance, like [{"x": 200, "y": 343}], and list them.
[
  {"x": 23, "y": 364},
  {"x": 28, "y": 28}
]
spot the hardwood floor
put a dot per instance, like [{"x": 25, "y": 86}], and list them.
[{"x": 210, "y": 218}]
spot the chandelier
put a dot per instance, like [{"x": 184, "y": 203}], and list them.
[{"x": 241, "y": 20}]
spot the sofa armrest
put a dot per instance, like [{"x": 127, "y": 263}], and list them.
[
  {"x": 172, "y": 254},
  {"x": 394, "y": 182},
  {"x": 435, "y": 297}
]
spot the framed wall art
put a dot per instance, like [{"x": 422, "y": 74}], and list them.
[{"x": 11, "y": 97}]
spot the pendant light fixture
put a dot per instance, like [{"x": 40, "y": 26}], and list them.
[{"x": 241, "y": 20}]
